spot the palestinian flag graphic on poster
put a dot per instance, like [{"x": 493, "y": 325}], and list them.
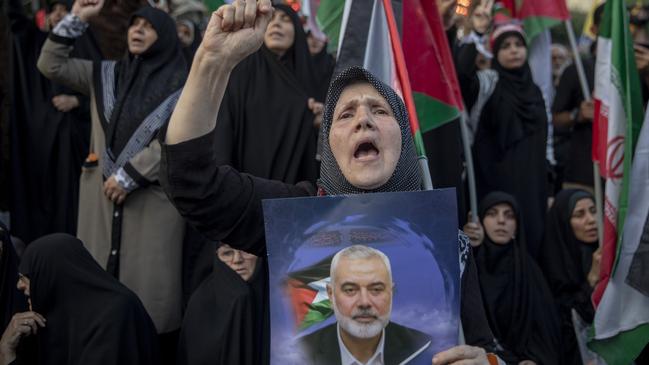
[{"x": 307, "y": 289}]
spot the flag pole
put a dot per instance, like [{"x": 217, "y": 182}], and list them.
[
  {"x": 404, "y": 80},
  {"x": 468, "y": 157},
  {"x": 585, "y": 90}
]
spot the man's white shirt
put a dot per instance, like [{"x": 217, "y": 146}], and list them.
[{"x": 347, "y": 358}]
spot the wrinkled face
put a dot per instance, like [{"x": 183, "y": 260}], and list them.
[
  {"x": 241, "y": 262},
  {"x": 280, "y": 33},
  {"x": 583, "y": 221},
  {"x": 512, "y": 53},
  {"x": 141, "y": 35},
  {"x": 23, "y": 286},
  {"x": 56, "y": 15},
  {"x": 315, "y": 45},
  {"x": 500, "y": 223},
  {"x": 184, "y": 34},
  {"x": 365, "y": 137},
  {"x": 361, "y": 294}
]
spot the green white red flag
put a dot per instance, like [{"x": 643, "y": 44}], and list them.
[
  {"x": 307, "y": 290},
  {"x": 620, "y": 329}
]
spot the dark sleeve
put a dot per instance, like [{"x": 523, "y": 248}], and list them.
[
  {"x": 472, "y": 313},
  {"x": 17, "y": 18},
  {"x": 568, "y": 94},
  {"x": 467, "y": 73},
  {"x": 218, "y": 201}
]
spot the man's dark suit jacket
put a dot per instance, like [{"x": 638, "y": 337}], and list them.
[{"x": 321, "y": 347}]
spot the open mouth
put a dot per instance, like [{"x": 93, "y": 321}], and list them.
[
  {"x": 365, "y": 318},
  {"x": 276, "y": 34},
  {"x": 366, "y": 150}
]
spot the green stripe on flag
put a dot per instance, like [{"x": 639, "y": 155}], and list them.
[
  {"x": 317, "y": 313},
  {"x": 212, "y": 5},
  {"x": 329, "y": 19},
  {"x": 432, "y": 113},
  {"x": 622, "y": 348},
  {"x": 537, "y": 24}
]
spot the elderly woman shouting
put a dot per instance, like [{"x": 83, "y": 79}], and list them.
[{"x": 368, "y": 148}]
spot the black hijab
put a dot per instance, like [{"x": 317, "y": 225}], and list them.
[
  {"x": 227, "y": 319},
  {"x": 510, "y": 145},
  {"x": 519, "y": 305},
  {"x": 264, "y": 125},
  {"x": 91, "y": 317},
  {"x": 565, "y": 260},
  {"x": 323, "y": 66},
  {"x": 406, "y": 175},
  {"x": 140, "y": 83},
  {"x": 11, "y": 299},
  {"x": 525, "y": 109}
]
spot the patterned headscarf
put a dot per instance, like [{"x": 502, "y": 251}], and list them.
[{"x": 406, "y": 175}]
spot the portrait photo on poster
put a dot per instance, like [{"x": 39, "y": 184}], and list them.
[{"x": 368, "y": 278}]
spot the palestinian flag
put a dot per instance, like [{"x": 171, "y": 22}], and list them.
[
  {"x": 307, "y": 290},
  {"x": 620, "y": 329},
  {"x": 413, "y": 56}
]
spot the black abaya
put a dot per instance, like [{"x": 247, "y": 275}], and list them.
[
  {"x": 265, "y": 127},
  {"x": 91, "y": 317},
  {"x": 13, "y": 301},
  {"x": 227, "y": 320},
  {"x": 566, "y": 262},
  {"x": 518, "y": 302},
  {"x": 47, "y": 146},
  {"x": 510, "y": 141}
]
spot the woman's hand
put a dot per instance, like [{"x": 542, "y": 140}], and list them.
[
  {"x": 464, "y": 355},
  {"x": 87, "y": 9},
  {"x": 21, "y": 325}
]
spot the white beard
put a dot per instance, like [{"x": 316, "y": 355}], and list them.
[{"x": 358, "y": 329}]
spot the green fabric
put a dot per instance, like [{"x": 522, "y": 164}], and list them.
[
  {"x": 623, "y": 348},
  {"x": 317, "y": 313},
  {"x": 212, "y": 5},
  {"x": 329, "y": 19},
  {"x": 535, "y": 25},
  {"x": 433, "y": 113}
]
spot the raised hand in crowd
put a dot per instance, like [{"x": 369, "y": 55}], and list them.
[
  {"x": 586, "y": 112},
  {"x": 482, "y": 16},
  {"x": 234, "y": 32},
  {"x": 87, "y": 9},
  {"x": 474, "y": 230},
  {"x": 317, "y": 108},
  {"x": 65, "y": 103},
  {"x": 446, "y": 9},
  {"x": 21, "y": 325},
  {"x": 593, "y": 274}
]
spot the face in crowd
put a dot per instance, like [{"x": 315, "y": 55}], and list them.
[
  {"x": 141, "y": 36},
  {"x": 315, "y": 45},
  {"x": 361, "y": 293},
  {"x": 241, "y": 262},
  {"x": 58, "y": 12},
  {"x": 185, "y": 34},
  {"x": 512, "y": 53},
  {"x": 500, "y": 223},
  {"x": 365, "y": 137},
  {"x": 583, "y": 221},
  {"x": 280, "y": 33}
]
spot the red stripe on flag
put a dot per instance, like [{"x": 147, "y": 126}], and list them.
[
  {"x": 301, "y": 296},
  {"x": 609, "y": 251},
  {"x": 428, "y": 55},
  {"x": 402, "y": 72}
]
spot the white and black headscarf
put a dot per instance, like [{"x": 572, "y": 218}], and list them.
[{"x": 406, "y": 175}]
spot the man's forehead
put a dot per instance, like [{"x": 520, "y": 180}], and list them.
[{"x": 370, "y": 268}]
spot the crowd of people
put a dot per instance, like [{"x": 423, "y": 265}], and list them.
[{"x": 137, "y": 231}]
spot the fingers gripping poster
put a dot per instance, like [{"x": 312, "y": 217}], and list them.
[{"x": 355, "y": 279}]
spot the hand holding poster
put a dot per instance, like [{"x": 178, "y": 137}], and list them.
[{"x": 363, "y": 277}]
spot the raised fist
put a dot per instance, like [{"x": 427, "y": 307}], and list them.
[{"x": 86, "y": 9}]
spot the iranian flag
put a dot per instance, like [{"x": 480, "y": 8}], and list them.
[
  {"x": 620, "y": 328},
  {"x": 411, "y": 56}
]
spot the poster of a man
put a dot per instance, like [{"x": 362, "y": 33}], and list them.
[
  {"x": 370, "y": 279},
  {"x": 360, "y": 291}
]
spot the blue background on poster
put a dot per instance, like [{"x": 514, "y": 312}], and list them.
[{"x": 424, "y": 258}]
